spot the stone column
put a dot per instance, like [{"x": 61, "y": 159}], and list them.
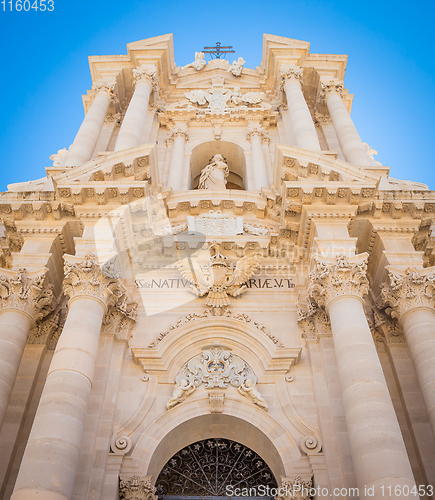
[
  {"x": 86, "y": 139},
  {"x": 256, "y": 135},
  {"x": 132, "y": 126},
  {"x": 51, "y": 457},
  {"x": 23, "y": 300},
  {"x": 304, "y": 131},
  {"x": 348, "y": 137},
  {"x": 409, "y": 297},
  {"x": 378, "y": 451},
  {"x": 179, "y": 136}
]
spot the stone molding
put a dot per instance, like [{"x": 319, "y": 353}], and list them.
[
  {"x": 337, "y": 277},
  {"x": 89, "y": 278},
  {"x": 207, "y": 314},
  {"x": 31, "y": 295},
  {"x": 407, "y": 290},
  {"x": 137, "y": 488}
]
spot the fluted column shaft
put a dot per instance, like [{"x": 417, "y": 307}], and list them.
[
  {"x": 135, "y": 117},
  {"x": 348, "y": 137},
  {"x": 51, "y": 457},
  {"x": 87, "y": 137},
  {"x": 176, "y": 167},
  {"x": 256, "y": 134},
  {"x": 304, "y": 131},
  {"x": 410, "y": 295},
  {"x": 378, "y": 451},
  {"x": 23, "y": 300}
]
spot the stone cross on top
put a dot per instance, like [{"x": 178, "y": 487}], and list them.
[{"x": 218, "y": 51}]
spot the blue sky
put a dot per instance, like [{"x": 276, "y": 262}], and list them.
[{"x": 390, "y": 69}]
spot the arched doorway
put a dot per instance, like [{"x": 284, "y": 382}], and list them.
[
  {"x": 233, "y": 154},
  {"x": 215, "y": 468}
]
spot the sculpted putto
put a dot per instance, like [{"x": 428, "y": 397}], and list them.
[
  {"x": 198, "y": 63},
  {"x": 181, "y": 391},
  {"x": 248, "y": 390},
  {"x": 214, "y": 175},
  {"x": 236, "y": 67}
]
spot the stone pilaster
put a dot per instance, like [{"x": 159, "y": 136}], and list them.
[
  {"x": 348, "y": 137},
  {"x": 304, "y": 131},
  {"x": 56, "y": 437},
  {"x": 144, "y": 80},
  {"x": 409, "y": 297},
  {"x": 23, "y": 300},
  {"x": 377, "y": 447},
  {"x": 87, "y": 137}
]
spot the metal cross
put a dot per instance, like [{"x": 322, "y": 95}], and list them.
[{"x": 217, "y": 51}]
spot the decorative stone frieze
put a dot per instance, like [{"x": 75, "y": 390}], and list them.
[
  {"x": 137, "y": 488},
  {"x": 333, "y": 278},
  {"x": 31, "y": 295},
  {"x": 216, "y": 368},
  {"x": 90, "y": 278},
  {"x": 407, "y": 290}
]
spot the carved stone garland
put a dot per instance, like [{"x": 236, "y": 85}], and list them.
[
  {"x": 33, "y": 296},
  {"x": 313, "y": 321},
  {"x": 137, "y": 488},
  {"x": 216, "y": 368},
  {"x": 407, "y": 290}
]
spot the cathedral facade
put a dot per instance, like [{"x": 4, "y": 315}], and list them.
[{"x": 217, "y": 291}]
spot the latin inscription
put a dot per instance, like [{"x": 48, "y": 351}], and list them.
[{"x": 179, "y": 283}]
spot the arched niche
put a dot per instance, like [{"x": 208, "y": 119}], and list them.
[{"x": 234, "y": 155}]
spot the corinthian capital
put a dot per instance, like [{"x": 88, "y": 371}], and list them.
[
  {"x": 32, "y": 295},
  {"x": 332, "y": 278},
  {"x": 90, "y": 278},
  {"x": 257, "y": 130},
  {"x": 137, "y": 488},
  {"x": 292, "y": 73},
  {"x": 408, "y": 290},
  {"x": 145, "y": 74},
  {"x": 332, "y": 87},
  {"x": 105, "y": 88}
]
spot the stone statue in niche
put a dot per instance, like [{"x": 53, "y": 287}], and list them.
[
  {"x": 236, "y": 67},
  {"x": 214, "y": 175},
  {"x": 198, "y": 63}
]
